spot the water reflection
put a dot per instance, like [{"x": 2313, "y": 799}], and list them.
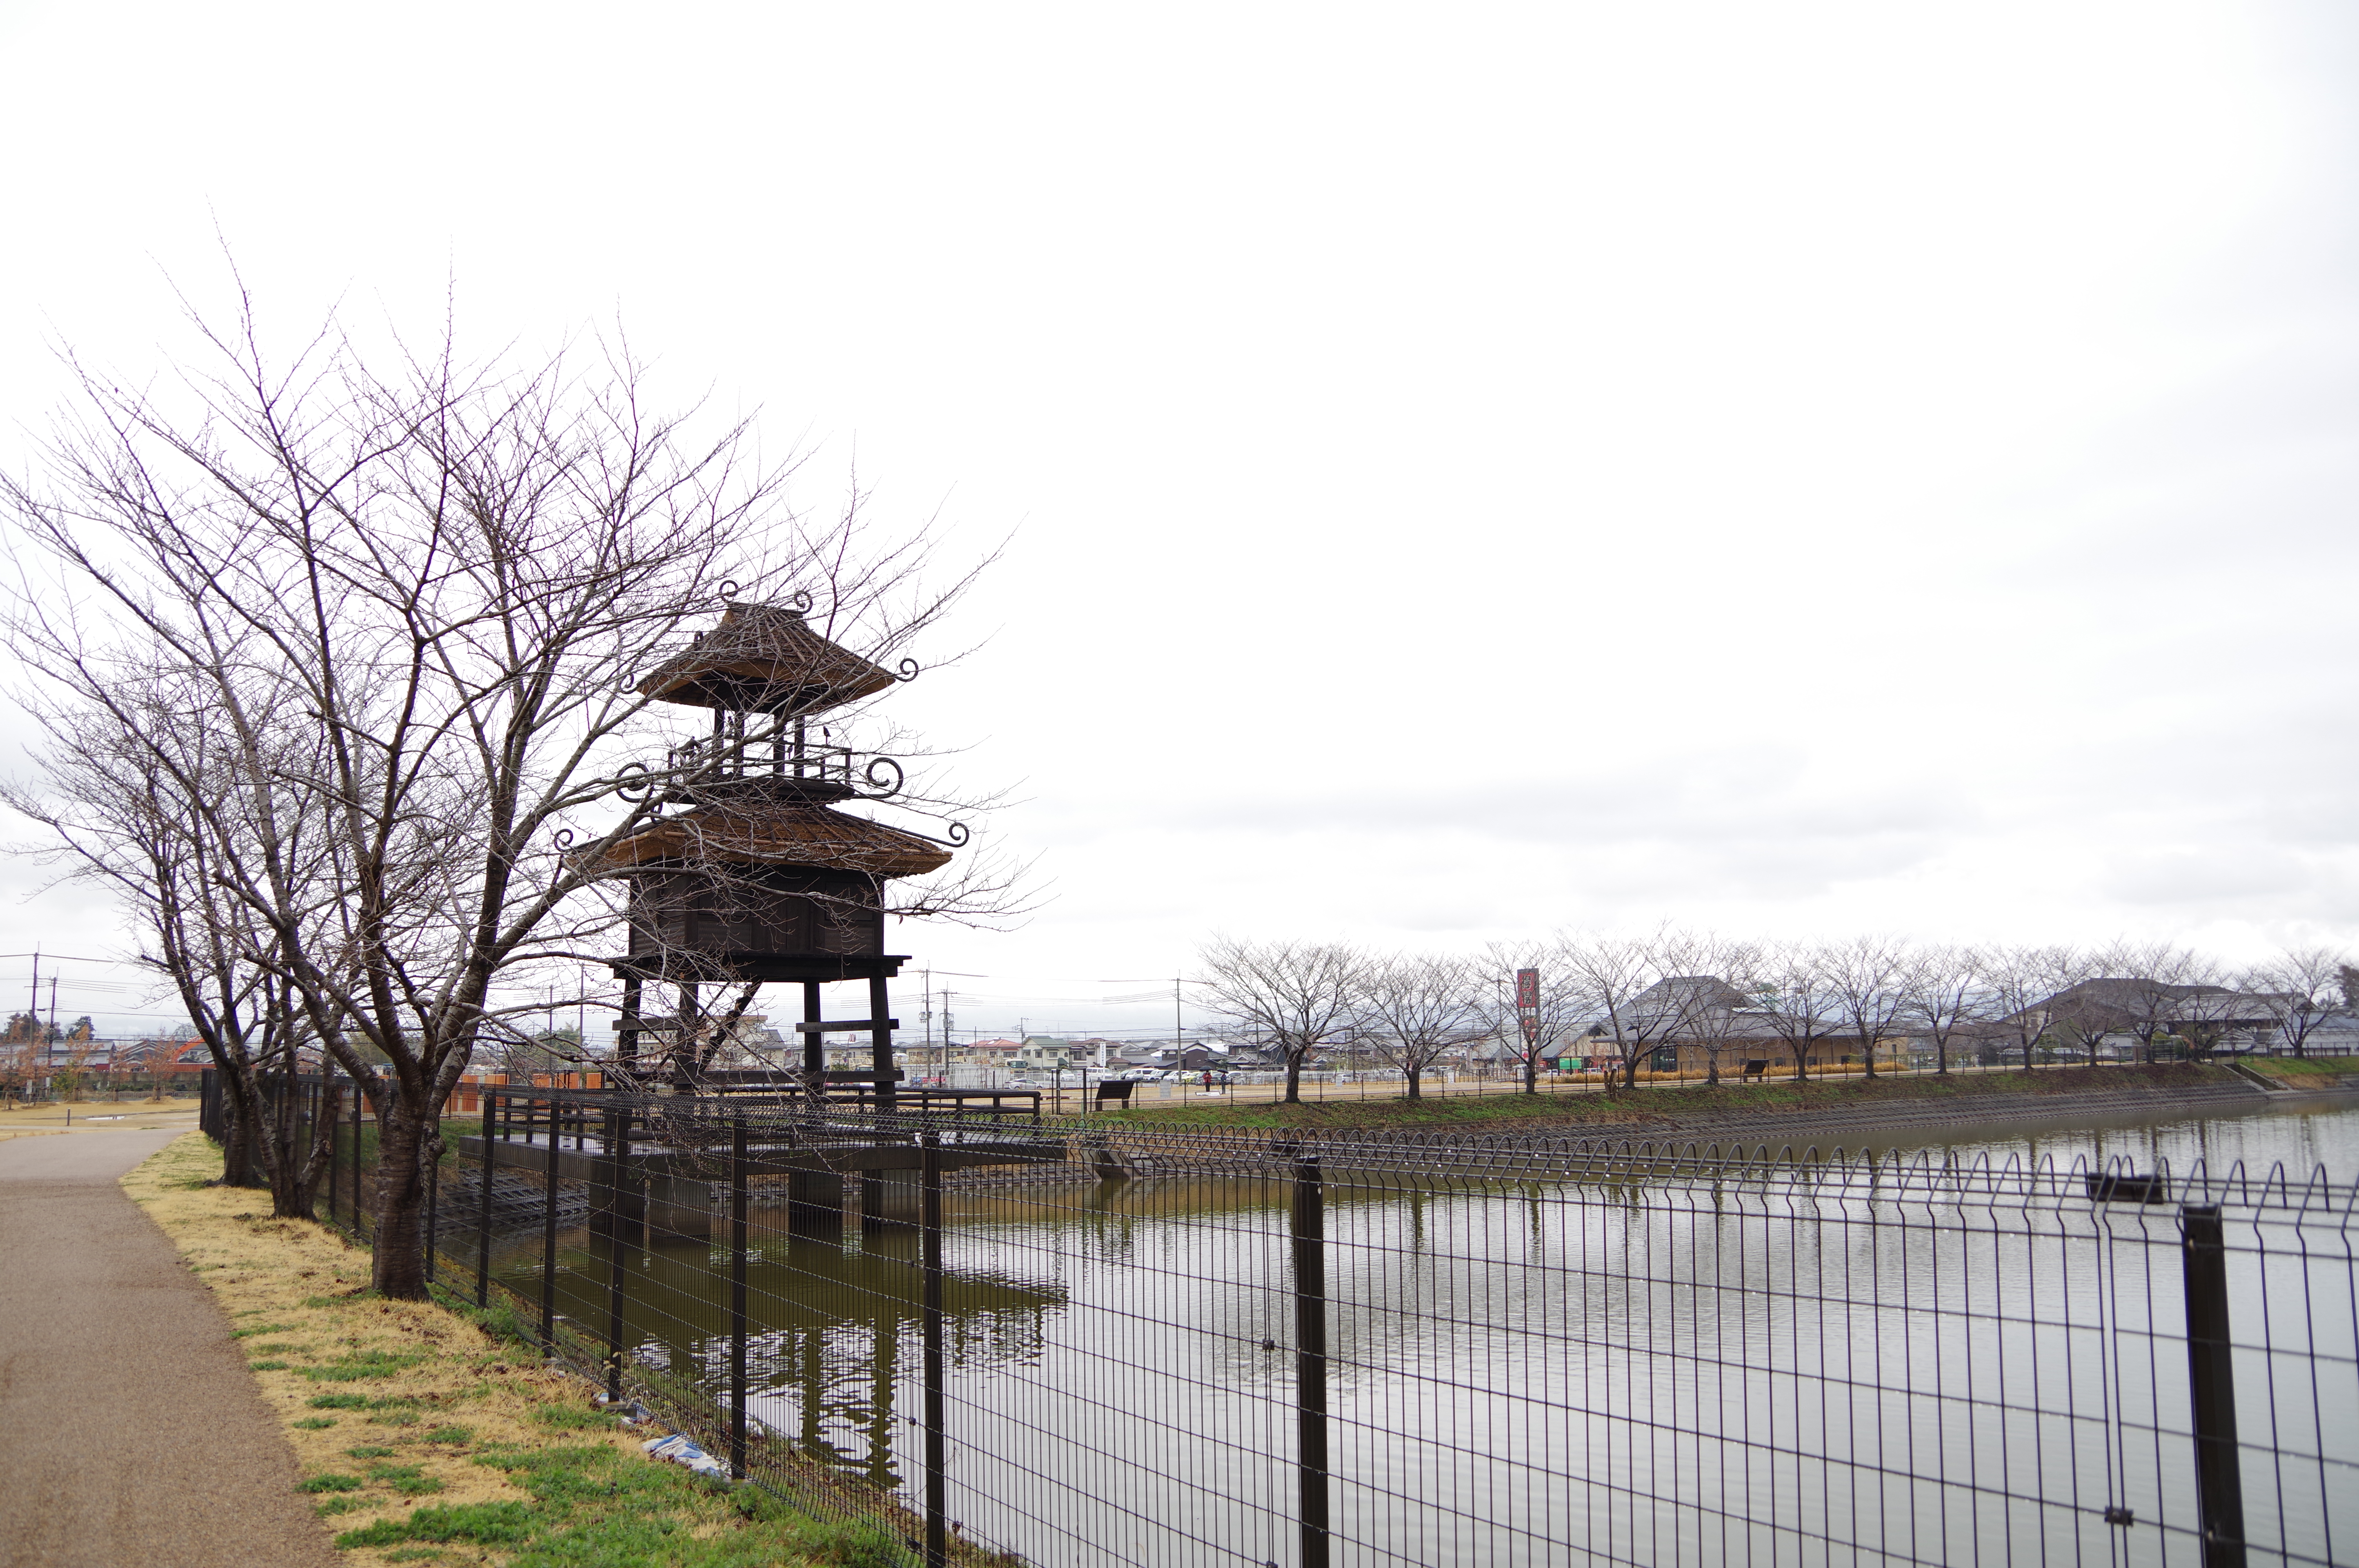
[
  {"x": 833, "y": 1323},
  {"x": 1525, "y": 1372},
  {"x": 2301, "y": 1139}
]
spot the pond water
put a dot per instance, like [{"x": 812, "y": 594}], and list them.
[
  {"x": 2302, "y": 1140},
  {"x": 1533, "y": 1372}
]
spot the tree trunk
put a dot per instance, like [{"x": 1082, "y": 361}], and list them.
[
  {"x": 1867, "y": 1055},
  {"x": 1293, "y": 1078},
  {"x": 1413, "y": 1073},
  {"x": 398, "y": 1268},
  {"x": 1801, "y": 1064},
  {"x": 295, "y": 1173},
  {"x": 237, "y": 1149},
  {"x": 1940, "y": 1055}
]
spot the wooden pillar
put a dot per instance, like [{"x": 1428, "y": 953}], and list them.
[
  {"x": 626, "y": 1048},
  {"x": 814, "y": 1043},
  {"x": 880, "y": 1013}
]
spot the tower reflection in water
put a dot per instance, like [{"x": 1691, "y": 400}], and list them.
[{"x": 826, "y": 1317}]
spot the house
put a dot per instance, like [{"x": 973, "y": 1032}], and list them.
[
  {"x": 1044, "y": 1052},
  {"x": 2126, "y": 1012},
  {"x": 1691, "y": 1022}
]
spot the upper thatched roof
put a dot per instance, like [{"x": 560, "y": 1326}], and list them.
[{"x": 764, "y": 658}]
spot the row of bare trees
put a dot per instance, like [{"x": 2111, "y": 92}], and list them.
[
  {"x": 335, "y": 655},
  {"x": 28, "y": 1057},
  {"x": 1622, "y": 998}
]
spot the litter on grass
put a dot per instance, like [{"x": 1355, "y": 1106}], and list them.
[{"x": 680, "y": 1450}]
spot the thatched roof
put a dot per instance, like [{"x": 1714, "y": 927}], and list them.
[
  {"x": 772, "y": 834},
  {"x": 763, "y": 658}
]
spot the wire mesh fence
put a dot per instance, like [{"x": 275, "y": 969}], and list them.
[{"x": 1074, "y": 1343}]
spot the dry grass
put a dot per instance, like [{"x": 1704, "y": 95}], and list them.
[
  {"x": 399, "y": 1409},
  {"x": 55, "y": 1116}
]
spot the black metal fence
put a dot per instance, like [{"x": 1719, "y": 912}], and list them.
[{"x": 1078, "y": 1345}]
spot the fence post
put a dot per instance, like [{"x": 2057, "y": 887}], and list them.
[
  {"x": 548, "y": 1240},
  {"x": 737, "y": 1300},
  {"x": 434, "y": 1194},
  {"x": 352, "y": 1196},
  {"x": 336, "y": 1140},
  {"x": 1310, "y": 1228},
  {"x": 929, "y": 1225},
  {"x": 483, "y": 1208},
  {"x": 2212, "y": 1379},
  {"x": 618, "y": 1144}
]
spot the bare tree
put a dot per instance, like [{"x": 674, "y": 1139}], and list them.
[
  {"x": 20, "y": 1055},
  {"x": 1613, "y": 974},
  {"x": 2030, "y": 991},
  {"x": 1867, "y": 977},
  {"x": 2142, "y": 984},
  {"x": 152, "y": 799},
  {"x": 1942, "y": 988},
  {"x": 159, "y": 1057},
  {"x": 1538, "y": 1031},
  {"x": 1419, "y": 1007},
  {"x": 1705, "y": 994},
  {"x": 2305, "y": 985},
  {"x": 459, "y": 568},
  {"x": 1798, "y": 999},
  {"x": 2207, "y": 1006},
  {"x": 1297, "y": 995}
]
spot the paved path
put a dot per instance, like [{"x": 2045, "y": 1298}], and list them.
[{"x": 130, "y": 1430}]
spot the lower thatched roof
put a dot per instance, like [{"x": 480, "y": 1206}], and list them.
[{"x": 780, "y": 835}]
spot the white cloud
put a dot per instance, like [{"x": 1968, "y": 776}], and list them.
[{"x": 1799, "y": 467}]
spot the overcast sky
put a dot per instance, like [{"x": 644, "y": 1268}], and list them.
[{"x": 1473, "y": 469}]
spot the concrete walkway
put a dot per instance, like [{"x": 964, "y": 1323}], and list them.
[{"x": 130, "y": 1430}]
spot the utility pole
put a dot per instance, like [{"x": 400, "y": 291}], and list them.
[{"x": 942, "y": 1062}]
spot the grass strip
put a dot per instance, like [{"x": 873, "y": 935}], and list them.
[
  {"x": 425, "y": 1400},
  {"x": 1633, "y": 1111}
]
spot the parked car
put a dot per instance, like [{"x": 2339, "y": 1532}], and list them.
[{"x": 1140, "y": 1076}]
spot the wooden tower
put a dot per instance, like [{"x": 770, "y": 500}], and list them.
[{"x": 759, "y": 879}]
